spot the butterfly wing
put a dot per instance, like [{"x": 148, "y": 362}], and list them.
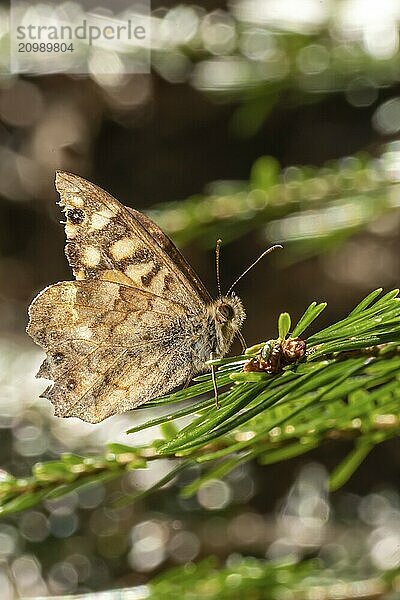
[
  {"x": 109, "y": 347},
  {"x": 111, "y": 338},
  {"x": 108, "y": 241}
]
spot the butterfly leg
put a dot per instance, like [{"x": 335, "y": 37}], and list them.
[
  {"x": 187, "y": 382},
  {"x": 242, "y": 341},
  {"x": 213, "y": 356}
]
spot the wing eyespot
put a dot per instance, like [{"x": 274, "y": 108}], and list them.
[
  {"x": 147, "y": 279},
  {"x": 71, "y": 384},
  {"x": 76, "y": 216},
  {"x": 58, "y": 357}
]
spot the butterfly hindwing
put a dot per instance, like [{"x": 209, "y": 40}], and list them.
[
  {"x": 121, "y": 381},
  {"x": 99, "y": 311},
  {"x": 109, "y": 347}
]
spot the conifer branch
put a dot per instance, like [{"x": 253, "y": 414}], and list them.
[{"x": 346, "y": 386}]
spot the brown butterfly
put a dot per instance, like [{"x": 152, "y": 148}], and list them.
[{"x": 136, "y": 324}]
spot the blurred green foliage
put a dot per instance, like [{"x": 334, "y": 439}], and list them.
[
  {"x": 308, "y": 209},
  {"x": 260, "y": 580}
]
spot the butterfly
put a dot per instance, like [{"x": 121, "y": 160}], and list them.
[{"x": 136, "y": 323}]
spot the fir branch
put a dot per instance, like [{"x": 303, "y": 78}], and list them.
[
  {"x": 56, "y": 478},
  {"x": 345, "y": 387}
]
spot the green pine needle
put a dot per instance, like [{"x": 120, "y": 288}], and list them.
[
  {"x": 346, "y": 386},
  {"x": 284, "y": 323}
]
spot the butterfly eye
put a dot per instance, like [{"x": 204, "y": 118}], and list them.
[
  {"x": 226, "y": 311},
  {"x": 75, "y": 215}
]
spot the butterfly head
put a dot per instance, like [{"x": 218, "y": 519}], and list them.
[{"x": 228, "y": 314}]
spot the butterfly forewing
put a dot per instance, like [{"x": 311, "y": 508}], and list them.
[{"x": 106, "y": 240}]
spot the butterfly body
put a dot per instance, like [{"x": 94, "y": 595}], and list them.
[
  {"x": 135, "y": 324},
  {"x": 210, "y": 333}
]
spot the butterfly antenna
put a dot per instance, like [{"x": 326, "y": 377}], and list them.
[
  {"x": 268, "y": 251},
  {"x": 217, "y": 253}
]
